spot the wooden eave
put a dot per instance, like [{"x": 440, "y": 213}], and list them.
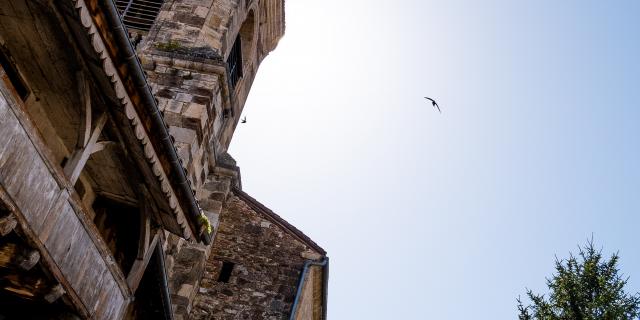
[{"x": 114, "y": 64}]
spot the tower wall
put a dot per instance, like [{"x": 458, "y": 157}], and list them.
[{"x": 188, "y": 56}]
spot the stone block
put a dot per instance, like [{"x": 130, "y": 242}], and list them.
[
  {"x": 183, "y": 135},
  {"x": 184, "y": 97},
  {"x": 175, "y": 106},
  {"x": 211, "y": 205},
  {"x": 194, "y": 110},
  {"x": 218, "y": 186},
  {"x": 185, "y": 290}
]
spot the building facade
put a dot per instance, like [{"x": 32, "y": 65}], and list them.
[{"x": 118, "y": 199}]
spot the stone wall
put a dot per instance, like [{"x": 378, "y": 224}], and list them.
[
  {"x": 267, "y": 259},
  {"x": 184, "y": 56}
]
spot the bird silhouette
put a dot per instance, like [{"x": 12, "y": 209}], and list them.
[
  {"x": 244, "y": 120},
  {"x": 435, "y": 104}
]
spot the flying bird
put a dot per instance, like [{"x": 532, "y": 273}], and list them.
[
  {"x": 244, "y": 120},
  {"x": 433, "y": 102}
]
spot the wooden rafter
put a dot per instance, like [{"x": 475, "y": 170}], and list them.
[
  {"x": 140, "y": 265},
  {"x": 87, "y": 143}
]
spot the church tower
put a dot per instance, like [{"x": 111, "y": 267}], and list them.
[
  {"x": 118, "y": 199},
  {"x": 201, "y": 57}
]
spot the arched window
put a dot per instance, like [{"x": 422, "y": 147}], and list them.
[{"x": 242, "y": 50}]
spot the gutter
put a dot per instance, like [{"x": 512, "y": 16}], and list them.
[
  {"x": 177, "y": 175},
  {"x": 324, "y": 263}
]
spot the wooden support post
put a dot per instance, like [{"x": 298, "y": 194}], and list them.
[
  {"x": 84, "y": 90},
  {"x": 140, "y": 265},
  {"x": 145, "y": 230},
  {"x": 87, "y": 142},
  {"x": 7, "y": 224},
  {"x": 79, "y": 158}
]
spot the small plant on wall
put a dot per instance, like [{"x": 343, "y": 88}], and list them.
[{"x": 205, "y": 224}]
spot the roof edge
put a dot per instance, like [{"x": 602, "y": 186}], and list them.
[{"x": 292, "y": 230}]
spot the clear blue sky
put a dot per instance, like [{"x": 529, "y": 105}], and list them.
[{"x": 452, "y": 215}]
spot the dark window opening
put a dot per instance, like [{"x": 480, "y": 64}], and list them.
[
  {"x": 225, "y": 272},
  {"x": 235, "y": 62},
  {"x": 152, "y": 299},
  {"x": 17, "y": 81},
  {"x": 139, "y": 14},
  {"x": 119, "y": 226}
]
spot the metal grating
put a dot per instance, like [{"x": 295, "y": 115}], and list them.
[
  {"x": 139, "y": 14},
  {"x": 234, "y": 61}
]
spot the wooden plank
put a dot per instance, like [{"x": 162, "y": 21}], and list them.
[
  {"x": 58, "y": 243},
  {"x": 82, "y": 262},
  {"x": 46, "y": 259},
  {"x": 92, "y": 280},
  {"x": 26, "y": 123},
  {"x": 100, "y": 245},
  {"x": 22, "y": 171},
  {"x": 113, "y": 304},
  {"x": 98, "y": 311},
  {"x": 111, "y": 300},
  {"x": 43, "y": 227},
  {"x": 79, "y": 247},
  {"x": 25, "y": 135}
]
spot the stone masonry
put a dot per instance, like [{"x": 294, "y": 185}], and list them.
[
  {"x": 73, "y": 95},
  {"x": 267, "y": 260},
  {"x": 185, "y": 58}
]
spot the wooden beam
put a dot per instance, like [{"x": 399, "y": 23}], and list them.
[
  {"x": 99, "y": 146},
  {"x": 79, "y": 158},
  {"x": 140, "y": 265},
  {"x": 145, "y": 230},
  {"x": 7, "y": 224},
  {"x": 84, "y": 90}
]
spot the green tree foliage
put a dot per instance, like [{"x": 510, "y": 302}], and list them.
[{"x": 586, "y": 287}]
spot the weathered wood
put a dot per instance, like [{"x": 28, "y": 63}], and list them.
[
  {"x": 32, "y": 199},
  {"x": 145, "y": 230},
  {"x": 46, "y": 259},
  {"x": 28, "y": 259},
  {"x": 7, "y": 224},
  {"x": 79, "y": 158},
  {"x": 56, "y": 292},
  {"x": 99, "y": 146},
  {"x": 84, "y": 131}
]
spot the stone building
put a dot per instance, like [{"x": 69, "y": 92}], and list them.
[{"x": 117, "y": 196}]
